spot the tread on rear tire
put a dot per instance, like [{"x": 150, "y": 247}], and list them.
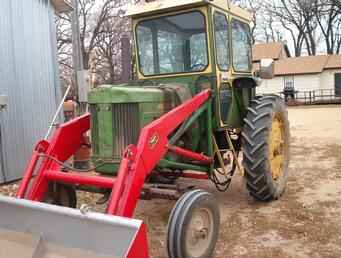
[{"x": 264, "y": 180}]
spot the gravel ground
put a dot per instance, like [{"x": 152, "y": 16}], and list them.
[{"x": 304, "y": 223}]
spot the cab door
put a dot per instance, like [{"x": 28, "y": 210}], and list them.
[
  {"x": 241, "y": 52},
  {"x": 222, "y": 44},
  {"x": 233, "y": 58}
]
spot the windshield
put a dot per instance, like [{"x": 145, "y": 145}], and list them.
[{"x": 172, "y": 44}]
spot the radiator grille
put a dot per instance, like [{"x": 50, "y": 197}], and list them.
[{"x": 125, "y": 118}]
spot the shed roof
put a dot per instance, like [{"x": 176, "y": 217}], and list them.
[
  {"x": 307, "y": 64},
  {"x": 269, "y": 50},
  {"x": 334, "y": 61},
  {"x": 301, "y": 65}
]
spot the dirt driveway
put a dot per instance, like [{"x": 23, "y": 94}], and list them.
[{"x": 305, "y": 222}]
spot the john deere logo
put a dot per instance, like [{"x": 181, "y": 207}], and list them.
[{"x": 153, "y": 140}]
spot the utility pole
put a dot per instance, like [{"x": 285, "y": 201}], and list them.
[
  {"x": 82, "y": 156},
  {"x": 76, "y": 47}
]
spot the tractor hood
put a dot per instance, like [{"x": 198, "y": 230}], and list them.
[
  {"x": 126, "y": 94},
  {"x": 119, "y": 112}
]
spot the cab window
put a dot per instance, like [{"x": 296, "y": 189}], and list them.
[
  {"x": 221, "y": 34},
  {"x": 172, "y": 44},
  {"x": 241, "y": 45}
]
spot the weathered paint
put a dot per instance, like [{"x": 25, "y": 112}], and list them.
[
  {"x": 176, "y": 5},
  {"x": 124, "y": 94},
  {"x": 28, "y": 76}
]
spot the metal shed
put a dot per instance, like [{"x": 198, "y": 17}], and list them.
[{"x": 28, "y": 79}]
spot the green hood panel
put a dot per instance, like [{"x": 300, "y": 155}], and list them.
[{"x": 125, "y": 94}]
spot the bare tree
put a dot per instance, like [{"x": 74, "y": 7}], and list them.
[
  {"x": 269, "y": 29},
  {"x": 298, "y": 18},
  {"x": 108, "y": 49},
  {"x": 101, "y": 26},
  {"x": 328, "y": 16},
  {"x": 92, "y": 20},
  {"x": 64, "y": 48},
  {"x": 254, "y": 7}
]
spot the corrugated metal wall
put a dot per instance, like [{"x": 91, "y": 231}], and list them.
[{"x": 28, "y": 76}]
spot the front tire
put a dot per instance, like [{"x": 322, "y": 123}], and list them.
[
  {"x": 265, "y": 147},
  {"x": 193, "y": 226}
]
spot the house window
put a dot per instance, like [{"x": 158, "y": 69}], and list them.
[
  {"x": 289, "y": 82},
  {"x": 289, "y": 88}
]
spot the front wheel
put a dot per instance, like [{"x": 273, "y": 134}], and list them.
[
  {"x": 265, "y": 147},
  {"x": 193, "y": 226}
]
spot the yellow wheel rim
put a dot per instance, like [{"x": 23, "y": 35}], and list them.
[{"x": 277, "y": 148}]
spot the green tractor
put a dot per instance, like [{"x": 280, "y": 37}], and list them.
[
  {"x": 182, "y": 49},
  {"x": 191, "y": 112}
]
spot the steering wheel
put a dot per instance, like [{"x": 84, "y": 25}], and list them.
[{"x": 197, "y": 67}]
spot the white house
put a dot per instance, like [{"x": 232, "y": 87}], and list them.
[
  {"x": 308, "y": 73},
  {"x": 320, "y": 74}
]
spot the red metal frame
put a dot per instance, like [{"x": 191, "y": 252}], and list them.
[
  {"x": 67, "y": 139},
  {"x": 190, "y": 154},
  {"x": 193, "y": 175},
  {"x": 137, "y": 162},
  {"x": 70, "y": 178},
  {"x": 139, "y": 245}
]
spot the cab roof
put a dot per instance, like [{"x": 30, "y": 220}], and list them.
[{"x": 164, "y": 6}]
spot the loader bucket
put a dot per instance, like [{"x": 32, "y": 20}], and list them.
[{"x": 38, "y": 230}]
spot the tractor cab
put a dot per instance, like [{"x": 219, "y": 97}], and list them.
[{"x": 199, "y": 44}]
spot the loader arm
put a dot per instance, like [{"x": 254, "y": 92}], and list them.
[
  {"x": 136, "y": 164},
  {"x": 66, "y": 140},
  {"x": 138, "y": 161}
]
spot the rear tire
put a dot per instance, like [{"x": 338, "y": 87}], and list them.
[
  {"x": 265, "y": 147},
  {"x": 61, "y": 195},
  {"x": 193, "y": 226}
]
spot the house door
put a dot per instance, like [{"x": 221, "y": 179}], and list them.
[{"x": 338, "y": 84}]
